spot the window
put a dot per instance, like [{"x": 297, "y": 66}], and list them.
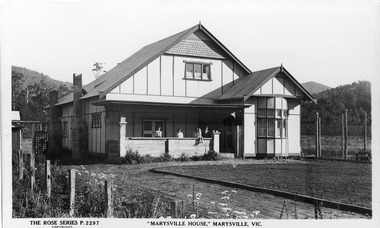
[
  {"x": 65, "y": 129},
  {"x": 97, "y": 120},
  {"x": 198, "y": 71},
  {"x": 272, "y": 117},
  {"x": 151, "y": 126},
  {"x": 272, "y": 126}
]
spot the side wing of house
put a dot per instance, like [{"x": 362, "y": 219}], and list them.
[{"x": 275, "y": 117}]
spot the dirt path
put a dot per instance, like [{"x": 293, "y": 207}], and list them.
[{"x": 129, "y": 177}]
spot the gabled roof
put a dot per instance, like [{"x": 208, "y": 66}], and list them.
[
  {"x": 139, "y": 60},
  {"x": 245, "y": 87}
]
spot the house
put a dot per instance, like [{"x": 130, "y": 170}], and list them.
[
  {"x": 16, "y": 132},
  {"x": 186, "y": 81}
]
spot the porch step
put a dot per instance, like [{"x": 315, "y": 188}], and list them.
[{"x": 227, "y": 155}]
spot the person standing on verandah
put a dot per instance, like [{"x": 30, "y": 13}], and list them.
[
  {"x": 179, "y": 133},
  {"x": 158, "y": 132}
]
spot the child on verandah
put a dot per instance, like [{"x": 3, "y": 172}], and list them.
[{"x": 179, "y": 133}]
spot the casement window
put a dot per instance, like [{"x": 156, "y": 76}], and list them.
[
  {"x": 198, "y": 71},
  {"x": 97, "y": 120},
  {"x": 65, "y": 129},
  {"x": 151, "y": 126},
  {"x": 272, "y": 124}
]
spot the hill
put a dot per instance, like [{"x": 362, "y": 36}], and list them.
[
  {"x": 315, "y": 87},
  {"x": 31, "y": 77},
  {"x": 355, "y": 97},
  {"x": 30, "y": 92}
]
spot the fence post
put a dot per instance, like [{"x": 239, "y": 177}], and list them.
[
  {"x": 365, "y": 131},
  {"x": 317, "y": 136},
  {"x": 32, "y": 158},
  {"x": 108, "y": 210},
  {"x": 345, "y": 134},
  {"x": 176, "y": 209},
  {"x": 48, "y": 178},
  {"x": 33, "y": 171},
  {"x": 20, "y": 164},
  {"x": 342, "y": 153},
  {"x": 72, "y": 191}
]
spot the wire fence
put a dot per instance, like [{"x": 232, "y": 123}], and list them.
[{"x": 335, "y": 130}]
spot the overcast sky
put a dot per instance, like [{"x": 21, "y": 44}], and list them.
[{"x": 331, "y": 42}]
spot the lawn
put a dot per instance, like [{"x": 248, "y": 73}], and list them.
[{"x": 345, "y": 182}]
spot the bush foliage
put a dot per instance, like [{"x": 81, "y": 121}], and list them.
[
  {"x": 133, "y": 157},
  {"x": 89, "y": 196}
]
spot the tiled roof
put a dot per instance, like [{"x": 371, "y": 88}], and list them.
[{"x": 192, "y": 47}]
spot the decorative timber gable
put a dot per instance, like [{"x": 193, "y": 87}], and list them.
[{"x": 198, "y": 44}]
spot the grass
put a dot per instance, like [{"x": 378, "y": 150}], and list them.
[{"x": 344, "y": 182}]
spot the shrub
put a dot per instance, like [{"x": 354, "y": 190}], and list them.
[
  {"x": 210, "y": 156},
  {"x": 183, "y": 158},
  {"x": 165, "y": 157},
  {"x": 131, "y": 157}
]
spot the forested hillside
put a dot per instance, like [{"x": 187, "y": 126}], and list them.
[
  {"x": 355, "y": 97},
  {"x": 30, "y": 92},
  {"x": 315, "y": 87}
]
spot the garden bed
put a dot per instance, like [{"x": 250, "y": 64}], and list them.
[{"x": 343, "y": 182}]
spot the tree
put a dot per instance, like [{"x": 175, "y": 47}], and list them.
[
  {"x": 98, "y": 69},
  {"x": 355, "y": 97},
  {"x": 17, "y": 80}
]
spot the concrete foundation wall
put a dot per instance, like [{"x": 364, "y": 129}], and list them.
[{"x": 173, "y": 146}]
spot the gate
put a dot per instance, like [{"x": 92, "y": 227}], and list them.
[{"x": 41, "y": 142}]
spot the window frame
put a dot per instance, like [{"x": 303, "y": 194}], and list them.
[
  {"x": 203, "y": 66},
  {"x": 270, "y": 116},
  {"x": 153, "y": 127},
  {"x": 96, "y": 120}
]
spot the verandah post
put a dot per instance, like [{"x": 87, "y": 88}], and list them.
[
  {"x": 72, "y": 191},
  {"x": 123, "y": 133},
  {"x": 108, "y": 209}
]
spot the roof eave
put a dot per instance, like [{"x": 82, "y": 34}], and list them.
[
  {"x": 311, "y": 98},
  {"x": 191, "y": 30}
]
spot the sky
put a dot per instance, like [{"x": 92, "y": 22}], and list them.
[{"x": 330, "y": 42}]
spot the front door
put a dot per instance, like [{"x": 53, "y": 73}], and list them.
[{"x": 226, "y": 136}]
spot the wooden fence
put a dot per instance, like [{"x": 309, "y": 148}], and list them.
[{"x": 176, "y": 206}]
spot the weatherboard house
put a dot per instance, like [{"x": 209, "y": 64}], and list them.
[{"x": 187, "y": 81}]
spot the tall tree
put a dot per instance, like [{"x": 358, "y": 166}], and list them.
[{"x": 98, "y": 69}]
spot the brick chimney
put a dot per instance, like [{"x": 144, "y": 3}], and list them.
[{"x": 54, "y": 130}]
